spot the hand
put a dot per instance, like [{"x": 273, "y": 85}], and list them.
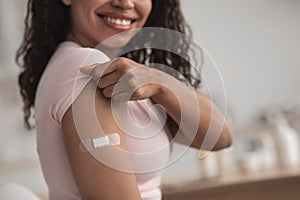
[{"x": 123, "y": 79}]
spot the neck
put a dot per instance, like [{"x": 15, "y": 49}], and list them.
[
  {"x": 110, "y": 52},
  {"x": 82, "y": 42}
]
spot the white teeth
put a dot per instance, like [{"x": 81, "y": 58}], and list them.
[{"x": 121, "y": 22}]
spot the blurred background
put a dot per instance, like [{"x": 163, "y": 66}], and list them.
[{"x": 254, "y": 43}]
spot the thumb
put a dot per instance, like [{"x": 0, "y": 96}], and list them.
[{"x": 88, "y": 69}]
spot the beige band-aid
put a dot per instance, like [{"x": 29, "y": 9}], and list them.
[{"x": 100, "y": 142}]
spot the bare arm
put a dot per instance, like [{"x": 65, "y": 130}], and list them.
[
  {"x": 199, "y": 119},
  {"x": 184, "y": 105},
  {"x": 95, "y": 180}
]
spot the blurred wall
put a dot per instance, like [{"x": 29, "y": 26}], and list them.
[
  {"x": 256, "y": 45},
  {"x": 12, "y": 14}
]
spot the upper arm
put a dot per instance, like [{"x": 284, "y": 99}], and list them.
[{"x": 93, "y": 178}]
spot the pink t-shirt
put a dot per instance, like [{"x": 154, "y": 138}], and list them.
[{"x": 56, "y": 92}]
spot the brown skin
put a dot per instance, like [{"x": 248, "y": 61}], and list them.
[{"x": 177, "y": 99}]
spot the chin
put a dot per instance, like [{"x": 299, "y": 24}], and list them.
[{"x": 118, "y": 40}]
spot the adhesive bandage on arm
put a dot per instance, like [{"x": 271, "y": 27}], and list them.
[{"x": 100, "y": 142}]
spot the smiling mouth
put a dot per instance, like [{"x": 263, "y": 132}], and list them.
[{"x": 118, "y": 21}]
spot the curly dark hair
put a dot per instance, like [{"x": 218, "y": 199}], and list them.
[{"x": 47, "y": 24}]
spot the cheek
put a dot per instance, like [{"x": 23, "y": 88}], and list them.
[
  {"x": 148, "y": 7},
  {"x": 83, "y": 18},
  {"x": 144, "y": 8}
]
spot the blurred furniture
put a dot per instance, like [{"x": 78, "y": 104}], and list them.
[{"x": 278, "y": 185}]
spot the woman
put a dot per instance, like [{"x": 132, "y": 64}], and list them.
[{"x": 59, "y": 37}]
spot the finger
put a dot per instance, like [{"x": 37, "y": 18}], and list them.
[
  {"x": 112, "y": 90},
  {"x": 88, "y": 69},
  {"x": 97, "y": 70},
  {"x": 122, "y": 64},
  {"x": 118, "y": 64},
  {"x": 119, "y": 87},
  {"x": 138, "y": 94},
  {"x": 126, "y": 92},
  {"x": 109, "y": 79},
  {"x": 105, "y": 70},
  {"x": 121, "y": 97},
  {"x": 107, "y": 92}
]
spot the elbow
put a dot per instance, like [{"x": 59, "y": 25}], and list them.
[{"x": 225, "y": 139}]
